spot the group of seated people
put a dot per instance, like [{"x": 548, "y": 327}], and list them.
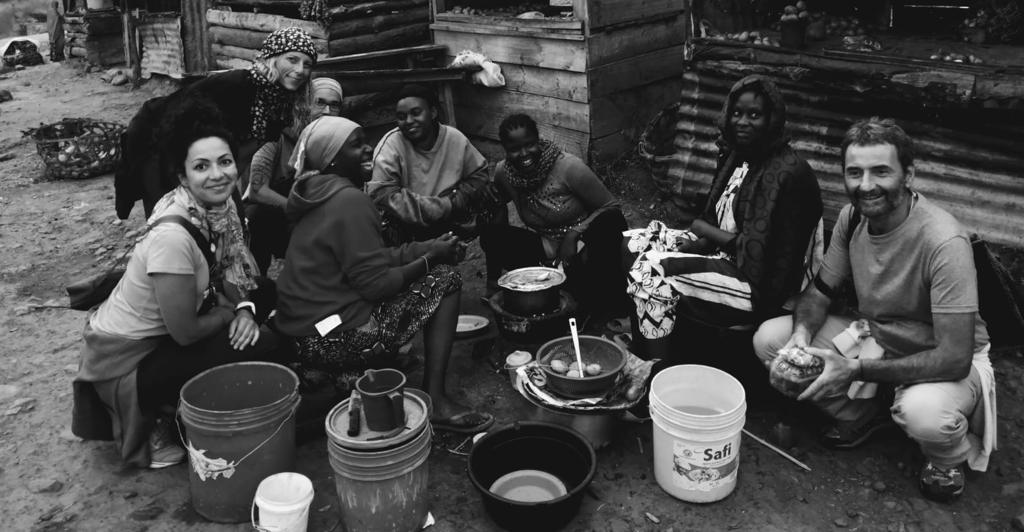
[{"x": 246, "y": 165}]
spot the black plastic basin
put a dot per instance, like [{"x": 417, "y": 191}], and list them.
[{"x": 554, "y": 449}]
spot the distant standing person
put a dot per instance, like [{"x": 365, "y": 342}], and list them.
[{"x": 55, "y": 29}]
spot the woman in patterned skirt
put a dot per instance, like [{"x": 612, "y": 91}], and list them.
[{"x": 347, "y": 299}]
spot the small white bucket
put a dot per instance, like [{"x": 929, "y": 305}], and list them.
[
  {"x": 698, "y": 413},
  {"x": 283, "y": 501}
]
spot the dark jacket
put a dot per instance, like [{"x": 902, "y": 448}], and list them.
[
  {"x": 777, "y": 208},
  {"x": 336, "y": 261},
  {"x": 141, "y": 174}
]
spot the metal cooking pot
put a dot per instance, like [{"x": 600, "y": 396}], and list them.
[{"x": 531, "y": 291}]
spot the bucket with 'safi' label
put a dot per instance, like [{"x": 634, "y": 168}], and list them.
[{"x": 698, "y": 413}]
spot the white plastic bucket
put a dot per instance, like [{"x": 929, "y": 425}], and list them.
[
  {"x": 283, "y": 501},
  {"x": 698, "y": 413}
]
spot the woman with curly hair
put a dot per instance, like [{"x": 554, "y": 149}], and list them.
[
  {"x": 257, "y": 104},
  {"x": 189, "y": 300}
]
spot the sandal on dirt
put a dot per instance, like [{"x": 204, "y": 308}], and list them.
[{"x": 465, "y": 423}]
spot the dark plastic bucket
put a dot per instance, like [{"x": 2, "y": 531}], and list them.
[
  {"x": 547, "y": 447},
  {"x": 240, "y": 428}
]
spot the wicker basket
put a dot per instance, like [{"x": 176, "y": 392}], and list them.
[{"x": 78, "y": 148}]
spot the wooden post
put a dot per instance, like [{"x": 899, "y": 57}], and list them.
[
  {"x": 195, "y": 36},
  {"x": 131, "y": 42}
]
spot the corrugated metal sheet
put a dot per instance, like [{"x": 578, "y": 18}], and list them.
[
  {"x": 162, "y": 52},
  {"x": 977, "y": 175}
]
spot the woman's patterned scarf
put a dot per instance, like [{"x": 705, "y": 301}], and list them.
[
  {"x": 235, "y": 263},
  {"x": 272, "y": 103},
  {"x": 531, "y": 179}
]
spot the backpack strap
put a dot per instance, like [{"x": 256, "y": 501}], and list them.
[
  {"x": 197, "y": 235},
  {"x": 854, "y": 222}
]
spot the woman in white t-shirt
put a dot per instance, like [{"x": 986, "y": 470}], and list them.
[{"x": 179, "y": 309}]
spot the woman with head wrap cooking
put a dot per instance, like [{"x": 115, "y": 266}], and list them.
[
  {"x": 257, "y": 104},
  {"x": 347, "y": 299},
  {"x": 271, "y": 176}
]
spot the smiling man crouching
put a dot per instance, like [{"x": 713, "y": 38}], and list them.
[{"x": 914, "y": 277}]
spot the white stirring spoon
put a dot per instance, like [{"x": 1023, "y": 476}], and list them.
[{"x": 576, "y": 344}]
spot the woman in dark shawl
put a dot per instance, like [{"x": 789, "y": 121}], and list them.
[{"x": 747, "y": 253}]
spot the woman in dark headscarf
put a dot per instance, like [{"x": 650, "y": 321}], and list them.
[
  {"x": 257, "y": 104},
  {"x": 746, "y": 255},
  {"x": 348, "y": 300}
]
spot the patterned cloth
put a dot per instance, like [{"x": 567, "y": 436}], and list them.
[
  {"x": 726, "y": 217},
  {"x": 288, "y": 40},
  {"x": 657, "y": 295},
  {"x": 345, "y": 354},
  {"x": 529, "y": 181},
  {"x": 235, "y": 263}
]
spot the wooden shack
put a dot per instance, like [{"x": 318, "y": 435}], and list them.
[
  {"x": 966, "y": 118},
  {"x": 591, "y": 74}
]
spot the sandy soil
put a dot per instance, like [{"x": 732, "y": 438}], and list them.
[{"x": 52, "y": 232}]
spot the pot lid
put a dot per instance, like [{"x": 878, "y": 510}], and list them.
[
  {"x": 416, "y": 415},
  {"x": 532, "y": 279}
]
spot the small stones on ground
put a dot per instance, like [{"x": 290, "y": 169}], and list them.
[
  {"x": 852, "y": 514},
  {"x": 119, "y": 79},
  {"x": 1018, "y": 522},
  {"x": 801, "y": 498},
  {"x": 841, "y": 522},
  {"x": 8, "y": 391},
  {"x": 1013, "y": 488},
  {"x": 878, "y": 486},
  {"x": 130, "y": 495},
  {"x": 5, "y": 96},
  {"x": 890, "y": 505},
  {"x": 25, "y": 404},
  {"x": 148, "y": 513},
  {"x": 652, "y": 518},
  {"x": 45, "y": 485}
]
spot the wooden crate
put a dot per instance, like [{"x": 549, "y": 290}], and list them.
[{"x": 591, "y": 82}]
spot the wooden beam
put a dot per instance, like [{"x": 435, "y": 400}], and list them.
[
  {"x": 562, "y": 113},
  {"x": 551, "y": 24},
  {"x": 512, "y": 31},
  {"x": 381, "y": 55},
  {"x": 251, "y": 39},
  {"x": 546, "y": 82},
  {"x": 234, "y": 52},
  {"x": 278, "y": 4},
  {"x": 374, "y": 24},
  {"x": 262, "y": 22},
  {"x": 529, "y": 50},
  {"x": 392, "y": 38},
  {"x": 609, "y": 12},
  {"x": 636, "y": 71},
  {"x": 354, "y": 10},
  {"x": 617, "y": 43},
  {"x": 195, "y": 37}
]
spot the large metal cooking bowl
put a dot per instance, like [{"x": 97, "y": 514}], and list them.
[{"x": 593, "y": 349}]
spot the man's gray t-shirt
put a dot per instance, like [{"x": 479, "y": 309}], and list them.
[{"x": 922, "y": 267}]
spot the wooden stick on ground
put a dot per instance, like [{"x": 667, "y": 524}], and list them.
[{"x": 781, "y": 453}]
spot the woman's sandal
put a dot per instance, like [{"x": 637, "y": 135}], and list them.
[{"x": 465, "y": 423}]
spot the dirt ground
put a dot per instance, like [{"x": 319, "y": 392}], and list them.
[{"x": 55, "y": 231}]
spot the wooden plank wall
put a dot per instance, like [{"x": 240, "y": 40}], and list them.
[
  {"x": 591, "y": 91},
  {"x": 195, "y": 36},
  {"x": 162, "y": 50}
]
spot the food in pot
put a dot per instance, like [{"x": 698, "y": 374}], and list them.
[
  {"x": 794, "y": 370},
  {"x": 593, "y": 369},
  {"x": 558, "y": 366},
  {"x": 574, "y": 374}
]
